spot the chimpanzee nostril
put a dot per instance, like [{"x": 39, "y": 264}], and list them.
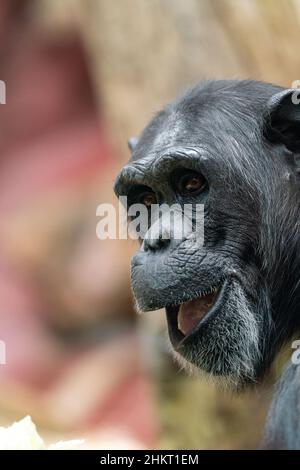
[
  {"x": 155, "y": 244},
  {"x": 158, "y": 236}
]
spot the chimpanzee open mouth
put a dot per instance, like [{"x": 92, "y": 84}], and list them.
[{"x": 185, "y": 319}]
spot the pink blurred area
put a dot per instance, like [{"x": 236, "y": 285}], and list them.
[{"x": 72, "y": 346}]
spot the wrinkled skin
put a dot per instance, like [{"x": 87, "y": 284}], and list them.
[{"x": 243, "y": 137}]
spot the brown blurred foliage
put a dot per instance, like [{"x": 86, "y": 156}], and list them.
[{"x": 144, "y": 52}]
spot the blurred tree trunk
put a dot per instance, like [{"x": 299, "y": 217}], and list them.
[{"x": 143, "y": 52}]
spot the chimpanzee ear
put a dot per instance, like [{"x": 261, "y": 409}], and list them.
[
  {"x": 283, "y": 119},
  {"x": 132, "y": 142}
]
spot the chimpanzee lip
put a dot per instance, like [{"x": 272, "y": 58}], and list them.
[{"x": 177, "y": 337}]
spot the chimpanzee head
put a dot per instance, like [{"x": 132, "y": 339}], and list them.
[{"x": 231, "y": 302}]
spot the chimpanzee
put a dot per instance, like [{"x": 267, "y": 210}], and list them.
[{"x": 232, "y": 302}]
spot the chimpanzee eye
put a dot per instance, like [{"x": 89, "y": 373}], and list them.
[
  {"x": 142, "y": 195},
  {"x": 148, "y": 199},
  {"x": 188, "y": 182}
]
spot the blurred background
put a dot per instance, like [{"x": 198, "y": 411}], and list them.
[{"x": 82, "y": 76}]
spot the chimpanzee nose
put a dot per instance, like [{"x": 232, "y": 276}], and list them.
[
  {"x": 156, "y": 243},
  {"x": 157, "y": 237}
]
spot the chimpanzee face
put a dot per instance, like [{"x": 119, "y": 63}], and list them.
[{"x": 230, "y": 147}]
